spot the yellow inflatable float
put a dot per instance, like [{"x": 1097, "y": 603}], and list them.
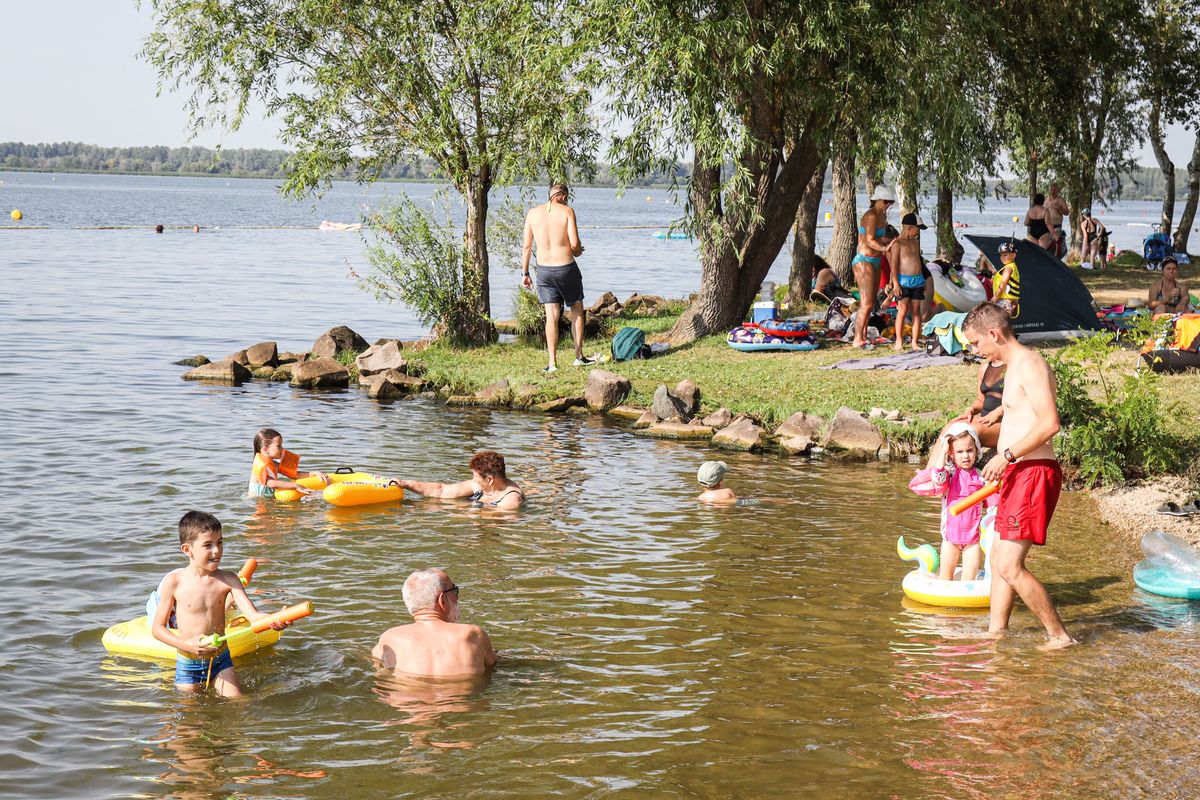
[
  {"x": 346, "y": 488},
  {"x": 924, "y": 586},
  {"x": 134, "y": 638}
]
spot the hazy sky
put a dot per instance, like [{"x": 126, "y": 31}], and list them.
[{"x": 69, "y": 72}]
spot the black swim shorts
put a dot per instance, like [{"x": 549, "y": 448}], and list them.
[
  {"x": 560, "y": 284},
  {"x": 912, "y": 292}
]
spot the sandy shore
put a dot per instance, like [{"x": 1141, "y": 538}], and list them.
[{"x": 1131, "y": 509}]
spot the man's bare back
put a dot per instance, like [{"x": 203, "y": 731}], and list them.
[
  {"x": 552, "y": 226},
  {"x": 435, "y": 648}
]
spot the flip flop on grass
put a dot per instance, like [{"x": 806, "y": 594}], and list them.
[{"x": 1173, "y": 509}]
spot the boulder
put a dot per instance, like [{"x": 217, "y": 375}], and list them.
[
  {"x": 320, "y": 373},
  {"x": 194, "y": 361},
  {"x": 689, "y": 393},
  {"x": 335, "y": 340},
  {"x": 667, "y": 405},
  {"x": 560, "y": 404},
  {"x": 718, "y": 419},
  {"x": 407, "y": 383},
  {"x": 800, "y": 424},
  {"x": 263, "y": 354},
  {"x": 606, "y": 306},
  {"x": 496, "y": 394},
  {"x": 380, "y": 388},
  {"x": 380, "y": 358},
  {"x": 605, "y": 389},
  {"x": 677, "y": 430},
  {"x": 644, "y": 305},
  {"x": 525, "y": 395},
  {"x": 240, "y": 357},
  {"x": 290, "y": 358},
  {"x": 282, "y": 373},
  {"x": 741, "y": 434},
  {"x": 797, "y": 445},
  {"x": 263, "y": 373},
  {"x": 227, "y": 371},
  {"x": 463, "y": 400},
  {"x": 627, "y": 412},
  {"x": 647, "y": 419},
  {"x": 850, "y": 430}
]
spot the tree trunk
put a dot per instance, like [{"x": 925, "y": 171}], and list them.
[
  {"x": 844, "y": 240},
  {"x": 908, "y": 185},
  {"x": 1031, "y": 161},
  {"x": 948, "y": 246},
  {"x": 734, "y": 262},
  {"x": 1189, "y": 207},
  {"x": 804, "y": 240},
  {"x": 473, "y": 325},
  {"x": 1165, "y": 164}
]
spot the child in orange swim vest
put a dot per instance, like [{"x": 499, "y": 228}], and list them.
[{"x": 275, "y": 468}]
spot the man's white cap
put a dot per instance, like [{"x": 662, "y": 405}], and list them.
[{"x": 883, "y": 193}]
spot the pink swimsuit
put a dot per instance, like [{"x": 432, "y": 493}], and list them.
[{"x": 954, "y": 484}]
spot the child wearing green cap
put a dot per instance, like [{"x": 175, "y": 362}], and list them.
[{"x": 711, "y": 476}]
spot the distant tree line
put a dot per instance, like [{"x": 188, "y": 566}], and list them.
[{"x": 249, "y": 162}]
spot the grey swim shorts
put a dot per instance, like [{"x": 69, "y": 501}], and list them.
[{"x": 560, "y": 284}]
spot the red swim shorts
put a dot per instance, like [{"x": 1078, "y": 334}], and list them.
[{"x": 1028, "y": 494}]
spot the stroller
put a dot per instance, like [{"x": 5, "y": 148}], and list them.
[{"x": 1155, "y": 248}]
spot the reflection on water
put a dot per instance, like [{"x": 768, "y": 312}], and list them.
[{"x": 430, "y": 706}]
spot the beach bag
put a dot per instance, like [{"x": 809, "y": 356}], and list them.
[{"x": 628, "y": 344}]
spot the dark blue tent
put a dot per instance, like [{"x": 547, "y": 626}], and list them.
[{"x": 1053, "y": 299}]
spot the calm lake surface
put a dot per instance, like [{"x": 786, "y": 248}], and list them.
[{"x": 650, "y": 647}]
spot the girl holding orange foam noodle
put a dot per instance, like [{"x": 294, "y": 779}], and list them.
[
  {"x": 275, "y": 468},
  {"x": 952, "y": 474}
]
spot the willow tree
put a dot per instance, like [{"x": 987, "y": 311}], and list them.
[
  {"x": 487, "y": 89},
  {"x": 746, "y": 90}
]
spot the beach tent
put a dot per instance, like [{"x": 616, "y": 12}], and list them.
[{"x": 1054, "y": 302}]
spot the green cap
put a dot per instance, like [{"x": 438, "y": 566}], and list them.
[{"x": 711, "y": 473}]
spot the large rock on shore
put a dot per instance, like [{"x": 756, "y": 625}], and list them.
[
  {"x": 606, "y": 306},
  {"x": 627, "y": 412},
  {"x": 263, "y": 354},
  {"x": 335, "y": 340},
  {"x": 390, "y": 385},
  {"x": 676, "y": 430},
  {"x": 667, "y": 405},
  {"x": 689, "y": 393},
  {"x": 741, "y": 434},
  {"x": 227, "y": 371},
  {"x": 850, "y": 430},
  {"x": 718, "y": 419},
  {"x": 561, "y": 404},
  {"x": 496, "y": 394},
  {"x": 320, "y": 373},
  {"x": 799, "y": 433},
  {"x": 605, "y": 389},
  {"x": 380, "y": 358},
  {"x": 644, "y": 305},
  {"x": 239, "y": 357},
  {"x": 647, "y": 419}
]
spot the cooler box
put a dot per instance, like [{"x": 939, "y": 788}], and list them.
[{"x": 763, "y": 311}]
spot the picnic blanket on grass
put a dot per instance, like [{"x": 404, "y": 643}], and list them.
[{"x": 911, "y": 359}]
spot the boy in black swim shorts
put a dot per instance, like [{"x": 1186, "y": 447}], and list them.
[{"x": 908, "y": 278}]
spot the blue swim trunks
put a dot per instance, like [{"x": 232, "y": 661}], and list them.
[
  {"x": 195, "y": 670},
  {"x": 912, "y": 281}
]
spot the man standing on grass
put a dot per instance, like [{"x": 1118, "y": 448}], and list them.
[
  {"x": 1030, "y": 475},
  {"x": 559, "y": 283}
]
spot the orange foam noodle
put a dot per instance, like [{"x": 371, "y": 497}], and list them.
[
  {"x": 977, "y": 496},
  {"x": 247, "y": 571},
  {"x": 289, "y": 614}
]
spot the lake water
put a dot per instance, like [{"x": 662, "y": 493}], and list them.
[{"x": 650, "y": 647}]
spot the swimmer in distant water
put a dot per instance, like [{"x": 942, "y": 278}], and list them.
[
  {"x": 195, "y": 229},
  {"x": 158, "y": 228},
  {"x": 489, "y": 485},
  {"x": 711, "y": 476}
]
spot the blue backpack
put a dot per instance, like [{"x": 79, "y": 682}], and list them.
[{"x": 628, "y": 344}]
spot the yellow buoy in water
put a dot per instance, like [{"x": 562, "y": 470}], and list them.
[
  {"x": 828, "y": 216},
  {"x": 1016, "y": 219},
  {"x": 649, "y": 199},
  {"x": 16, "y": 213}
]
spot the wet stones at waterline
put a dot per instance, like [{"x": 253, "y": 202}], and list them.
[
  {"x": 225, "y": 371},
  {"x": 320, "y": 373},
  {"x": 605, "y": 389},
  {"x": 851, "y": 431},
  {"x": 335, "y": 340},
  {"x": 743, "y": 433}
]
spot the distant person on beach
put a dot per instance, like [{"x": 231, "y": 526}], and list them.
[
  {"x": 826, "y": 285},
  {"x": 711, "y": 476},
  {"x": 559, "y": 282},
  {"x": 1056, "y": 210},
  {"x": 908, "y": 278},
  {"x": 435, "y": 643},
  {"x": 1029, "y": 474},
  {"x": 489, "y": 485},
  {"x": 195, "y": 597},
  {"x": 1167, "y": 294},
  {"x": 1038, "y": 231},
  {"x": 275, "y": 468},
  {"x": 866, "y": 264}
]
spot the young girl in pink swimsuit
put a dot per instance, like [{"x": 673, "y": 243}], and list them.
[{"x": 951, "y": 474}]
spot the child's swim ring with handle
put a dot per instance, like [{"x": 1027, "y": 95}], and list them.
[
  {"x": 924, "y": 586},
  {"x": 346, "y": 488},
  {"x": 962, "y": 294}
]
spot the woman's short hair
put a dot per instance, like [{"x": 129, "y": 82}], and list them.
[
  {"x": 1039, "y": 198},
  {"x": 988, "y": 317},
  {"x": 488, "y": 463}
]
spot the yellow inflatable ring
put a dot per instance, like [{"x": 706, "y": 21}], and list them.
[
  {"x": 133, "y": 638},
  {"x": 924, "y": 586}
]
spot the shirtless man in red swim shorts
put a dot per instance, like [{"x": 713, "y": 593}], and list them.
[{"x": 1031, "y": 476}]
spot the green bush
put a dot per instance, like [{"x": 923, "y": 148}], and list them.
[
  {"x": 1113, "y": 425},
  {"x": 528, "y": 314}
]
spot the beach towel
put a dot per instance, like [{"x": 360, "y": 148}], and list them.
[{"x": 898, "y": 362}]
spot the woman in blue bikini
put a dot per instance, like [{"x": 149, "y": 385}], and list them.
[{"x": 866, "y": 264}]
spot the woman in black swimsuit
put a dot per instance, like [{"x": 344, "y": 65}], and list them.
[
  {"x": 489, "y": 485},
  {"x": 1035, "y": 221},
  {"x": 985, "y": 413}
]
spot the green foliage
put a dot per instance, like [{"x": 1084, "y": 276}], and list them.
[
  {"x": 528, "y": 314},
  {"x": 1114, "y": 424},
  {"x": 346, "y": 357},
  {"x": 416, "y": 261}
]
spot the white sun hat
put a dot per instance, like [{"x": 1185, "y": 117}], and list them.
[{"x": 883, "y": 193}]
